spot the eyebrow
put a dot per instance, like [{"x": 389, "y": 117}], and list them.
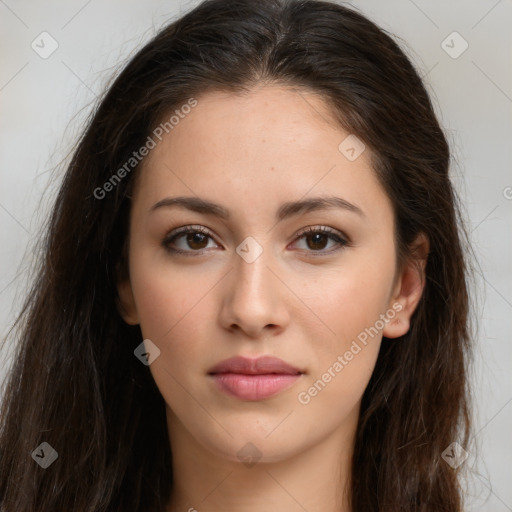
[{"x": 286, "y": 210}]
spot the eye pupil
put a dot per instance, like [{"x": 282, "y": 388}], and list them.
[
  {"x": 197, "y": 238},
  {"x": 317, "y": 239}
]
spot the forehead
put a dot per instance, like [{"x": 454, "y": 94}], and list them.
[
  {"x": 274, "y": 142},
  {"x": 273, "y": 115}
]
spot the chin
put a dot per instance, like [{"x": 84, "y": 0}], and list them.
[{"x": 256, "y": 444}]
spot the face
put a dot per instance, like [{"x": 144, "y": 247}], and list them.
[{"x": 296, "y": 261}]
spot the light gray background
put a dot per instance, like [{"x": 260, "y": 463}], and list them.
[{"x": 44, "y": 102}]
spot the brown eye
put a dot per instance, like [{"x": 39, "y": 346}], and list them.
[
  {"x": 196, "y": 240},
  {"x": 317, "y": 240},
  {"x": 185, "y": 240}
]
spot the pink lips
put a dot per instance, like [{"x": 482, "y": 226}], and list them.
[{"x": 254, "y": 379}]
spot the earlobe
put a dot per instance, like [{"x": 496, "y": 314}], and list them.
[
  {"x": 125, "y": 300},
  {"x": 126, "y": 303},
  {"x": 408, "y": 289}
]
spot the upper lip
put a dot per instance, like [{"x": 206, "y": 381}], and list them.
[{"x": 259, "y": 366}]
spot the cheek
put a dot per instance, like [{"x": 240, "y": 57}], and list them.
[
  {"x": 172, "y": 307},
  {"x": 333, "y": 396},
  {"x": 350, "y": 303},
  {"x": 350, "y": 299},
  {"x": 343, "y": 362},
  {"x": 171, "y": 302}
]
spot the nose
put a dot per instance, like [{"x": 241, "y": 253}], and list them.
[{"x": 255, "y": 298}]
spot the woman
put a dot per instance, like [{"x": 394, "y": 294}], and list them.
[{"x": 252, "y": 294}]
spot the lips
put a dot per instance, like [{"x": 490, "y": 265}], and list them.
[
  {"x": 254, "y": 379},
  {"x": 260, "y": 366}
]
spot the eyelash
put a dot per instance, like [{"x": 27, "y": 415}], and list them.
[{"x": 338, "y": 237}]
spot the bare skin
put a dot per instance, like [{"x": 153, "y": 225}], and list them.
[{"x": 304, "y": 299}]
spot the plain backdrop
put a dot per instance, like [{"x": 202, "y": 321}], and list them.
[{"x": 463, "y": 50}]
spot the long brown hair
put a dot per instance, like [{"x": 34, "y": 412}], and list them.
[{"x": 75, "y": 382}]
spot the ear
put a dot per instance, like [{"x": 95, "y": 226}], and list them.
[
  {"x": 126, "y": 303},
  {"x": 408, "y": 288},
  {"x": 125, "y": 300}
]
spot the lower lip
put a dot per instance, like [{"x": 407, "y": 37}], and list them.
[{"x": 253, "y": 387}]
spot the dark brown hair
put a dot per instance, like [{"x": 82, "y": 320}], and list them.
[{"x": 75, "y": 382}]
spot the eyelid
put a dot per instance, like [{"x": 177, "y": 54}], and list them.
[
  {"x": 194, "y": 228},
  {"x": 191, "y": 228},
  {"x": 318, "y": 228},
  {"x": 338, "y": 236}
]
